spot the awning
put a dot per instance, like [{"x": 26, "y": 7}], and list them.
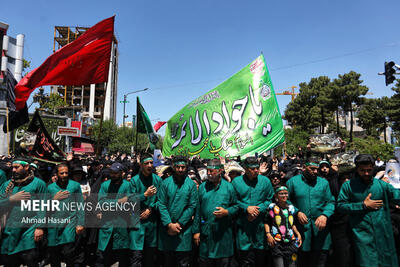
[{"x": 82, "y": 147}]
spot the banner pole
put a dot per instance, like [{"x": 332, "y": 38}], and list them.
[{"x": 8, "y": 132}]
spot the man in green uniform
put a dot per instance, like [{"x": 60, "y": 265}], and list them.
[
  {"x": 143, "y": 237},
  {"x": 312, "y": 196},
  {"x": 254, "y": 193},
  {"x": 23, "y": 228},
  {"x": 113, "y": 233},
  {"x": 62, "y": 235},
  {"x": 3, "y": 177},
  {"x": 213, "y": 221},
  {"x": 367, "y": 201},
  {"x": 177, "y": 202}
]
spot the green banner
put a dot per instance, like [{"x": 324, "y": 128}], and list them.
[
  {"x": 238, "y": 118},
  {"x": 144, "y": 123}
]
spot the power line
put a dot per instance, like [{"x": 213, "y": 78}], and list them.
[{"x": 289, "y": 66}]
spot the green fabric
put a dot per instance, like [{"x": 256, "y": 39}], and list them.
[
  {"x": 216, "y": 235},
  {"x": 16, "y": 238},
  {"x": 21, "y": 162},
  {"x": 239, "y": 117},
  {"x": 146, "y": 159},
  {"x": 258, "y": 192},
  {"x": 180, "y": 163},
  {"x": 177, "y": 202},
  {"x": 144, "y": 123},
  {"x": 146, "y": 232},
  {"x": 3, "y": 177},
  {"x": 65, "y": 233},
  {"x": 107, "y": 230},
  {"x": 371, "y": 229},
  {"x": 281, "y": 188},
  {"x": 313, "y": 199}
]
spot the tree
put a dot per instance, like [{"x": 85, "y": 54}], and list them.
[
  {"x": 394, "y": 108},
  {"x": 52, "y": 103},
  {"x": 351, "y": 90},
  {"x": 311, "y": 109},
  {"x": 25, "y": 65},
  {"x": 373, "y": 116},
  {"x": 107, "y": 135},
  {"x": 294, "y": 138},
  {"x": 373, "y": 146},
  {"x": 121, "y": 139}
]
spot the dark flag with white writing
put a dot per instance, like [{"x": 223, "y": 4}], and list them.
[
  {"x": 44, "y": 148},
  {"x": 15, "y": 118}
]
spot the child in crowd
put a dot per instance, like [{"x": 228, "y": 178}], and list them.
[{"x": 282, "y": 234}]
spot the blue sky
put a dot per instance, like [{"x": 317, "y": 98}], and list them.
[{"x": 181, "y": 49}]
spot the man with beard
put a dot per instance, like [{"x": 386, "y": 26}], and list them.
[
  {"x": 312, "y": 196},
  {"x": 19, "y": 239},
  {"x": 367, "y": 201},
  {"x": 143, "y": 238},
  {"x": 254, "y": 193},
  {"x": 213, "y": 222},
  {"x": 113, "y": 233},
  {"x": 177, "y": 202},
  {"x": 62, "y": 237}
]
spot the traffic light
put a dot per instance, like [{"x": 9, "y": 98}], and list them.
[{"x": 389, "y": 72}]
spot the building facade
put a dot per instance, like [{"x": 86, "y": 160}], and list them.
[{"x": 12, "y": 53}]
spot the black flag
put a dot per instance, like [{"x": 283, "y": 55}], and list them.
[
  {"x": 44, "y": 148},
  {"x": 15, "y": 118}
]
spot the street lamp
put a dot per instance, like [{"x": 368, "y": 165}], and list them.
[{"x": 125, "y": 116}]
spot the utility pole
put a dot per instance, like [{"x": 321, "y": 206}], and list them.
[{"x": 125, "y": 101}]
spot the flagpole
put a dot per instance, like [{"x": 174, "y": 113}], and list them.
[
  {"x": 8, "y": 132},
  {"x": 136, "y": 149}
]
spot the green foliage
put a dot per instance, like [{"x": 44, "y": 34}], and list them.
[
  {"x": 373, "y": 146},
  {"x": 350, "y": 92},
  {"x": 121, "y": 139},
  {"x": 52, "y": 104},
  {"x": 311, "y": 108},
  {"x": 294, "y": 138},
  {"x": 374, "y": 115},
  {"x": 394, "y": 107},
  {"x": 25, "y": 65},
  {"x": 318, "y": 100}
]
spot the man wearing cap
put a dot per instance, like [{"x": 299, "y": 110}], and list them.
[
  {"x": 213, "y": 221},
  {"x": 312, "y": 196},
  {"x": 113, "y": 233},
  {"x": 23, "y": 229},
  {"x": 367, "y": 201},
  {"x": 254, "y": 193},
  {"x": 143, "y": 237},
  {"x": 62, "y": 236},
  {"x": 177, "y": 202}
]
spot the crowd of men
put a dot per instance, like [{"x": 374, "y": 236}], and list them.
[{"x": 260, "y": 211}]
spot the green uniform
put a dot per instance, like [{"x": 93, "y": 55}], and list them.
[
  {"x": 145, "y": 234},
  {"x": 3, "y": 177},
  {"x": 256, "y": 192},
  {"x": 19, "y": 235},
  {"x": 216, "y": 237},
  {"x": 63, "y": 233},
  {"x": 314, "y": 199},
  {"x": 110, "y": 192},
  {"x": 371, "y": 229},
  {"x": 177, "y": 202}
]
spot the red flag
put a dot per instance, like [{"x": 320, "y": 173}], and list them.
[
  {"x": 83, "y": 61},
  {"x": 158, "y": 125}
]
